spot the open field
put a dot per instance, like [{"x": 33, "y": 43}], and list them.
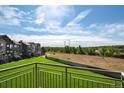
[
  {"x": 113, "y": 64},
  {"x": 25, "y": 76}
]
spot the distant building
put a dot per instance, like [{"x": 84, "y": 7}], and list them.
[
  {"x": 25, "y": 50},
  {"x": 35, "y": 49},
  {"x": 29, "y": 49},
  {"x": 38, "y": 49}
]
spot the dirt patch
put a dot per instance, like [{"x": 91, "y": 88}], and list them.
[{"x": 114, "y": 64}]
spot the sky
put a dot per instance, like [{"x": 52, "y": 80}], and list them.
[{"x": 72, "y": 25}]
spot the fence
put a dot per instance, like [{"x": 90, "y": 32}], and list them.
[
  {"x": 44, "y": 75},
  {"x": 106, "y": 73}
]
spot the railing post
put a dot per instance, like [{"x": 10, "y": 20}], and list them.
[
  {"x": 66, "y": 77},
  {"x": 122, "y": 78},
  {"x": 36, "y": 82}
]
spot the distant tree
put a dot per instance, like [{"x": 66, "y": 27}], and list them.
[
  {"x": 43, "y": 50},
  {"x": 67, "y": 49},
  {"x": 101, "y": 52},
  {"x": 85, "y": 51},
  {"x": 104, "y": 51},
  {"x": 73, "y": 50},
  {"x": 90, "y": 51},
  {"x": 61, "y": 50},
  {"x": 49, "y": 49},
  {"x": 79, "y": 50}
]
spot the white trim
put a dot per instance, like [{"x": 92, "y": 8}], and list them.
[{"x": 122, "y": 73}]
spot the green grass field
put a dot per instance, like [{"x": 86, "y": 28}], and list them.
[
  {"x": 26, "y": 61},
  {"x": 49, "y": 76}
]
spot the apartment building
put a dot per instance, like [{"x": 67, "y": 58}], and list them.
[
  {"x": 29, "y": 49},
  {"x": 11, "y": 50}
]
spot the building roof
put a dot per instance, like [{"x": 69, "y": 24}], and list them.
[
  {"x": 24, "y": 42},
  {"x": 17, "y": 43},
  {"x": 38, "y": 44},
  {"x": 6, "y": 38},
  {"x": 31, "y": 43}
]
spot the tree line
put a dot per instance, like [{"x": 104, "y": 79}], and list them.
[{"x": 104, "y": 51}]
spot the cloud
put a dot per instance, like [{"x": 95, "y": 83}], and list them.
[
  {"x": 32, "y": 29},
  {"x": 84, "y": 36},
  {"x": 55, "y": 40},
  {"x": 60, "y": 23},
  {"x": 54, "y": 29},
  {"x": 108, "y": 29},
  {"x": 14, "y": 21},
  {"x": 122, "y": 33},
  {"x": 52, "y": 20},
  {"x": 52, "y": 17},
  {"x": 11, "y": 16},
  {"x": 79, "y": 17},
  {"x": 46, "y": 14}
]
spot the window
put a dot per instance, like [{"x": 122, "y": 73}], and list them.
[
  {"x": 15, "y": 46},
  {"x": 7, "y": 51},
  {"x": 7, "y": 45},
  {"x": 11, "y": 46},
  {"x": 1, "y": 44}
]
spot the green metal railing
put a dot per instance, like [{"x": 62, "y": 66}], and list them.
[{"x": 43, "y": 75}]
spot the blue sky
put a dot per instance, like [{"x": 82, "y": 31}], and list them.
[{"x": 53, "y": 25}]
